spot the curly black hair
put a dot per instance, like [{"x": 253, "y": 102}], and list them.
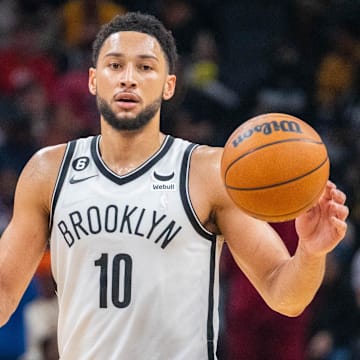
[{"x": 139, "y": 22}]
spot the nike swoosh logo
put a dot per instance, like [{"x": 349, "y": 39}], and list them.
[
  {"x": 163, "y": 177},
  {"x": 75, "y": 181}
]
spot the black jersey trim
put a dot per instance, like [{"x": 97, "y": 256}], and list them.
[
  {"x": 185, "y": 197},
  {"x": 210, "y": 319},
  {"x": 194, "y": 220},
  {"x": 124, "y": 179},
  {"x": 70, "y": 148}
]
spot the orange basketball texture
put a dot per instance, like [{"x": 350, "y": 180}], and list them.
[{"x": 275, "y": 166}]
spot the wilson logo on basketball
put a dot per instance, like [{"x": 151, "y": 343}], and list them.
[
  {"x": 276, "y": 168},
  {"x": 267, "y": 128}
]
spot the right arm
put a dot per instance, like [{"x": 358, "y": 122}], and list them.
[{"x": 24, "y": 241}]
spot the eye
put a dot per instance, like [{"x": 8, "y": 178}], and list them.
[
  {"x": 145, "y": 67},
  {"x": 114, "y": 66}
]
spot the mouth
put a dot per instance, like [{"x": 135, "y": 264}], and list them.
[
  {"x": 126, "y": 100},
  {"x": 127, "y": 97}
]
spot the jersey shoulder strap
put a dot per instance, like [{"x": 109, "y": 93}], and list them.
[{"x": 69, "y": 151}]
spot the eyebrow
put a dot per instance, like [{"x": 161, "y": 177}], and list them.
[{"x": 141, "y": 56}]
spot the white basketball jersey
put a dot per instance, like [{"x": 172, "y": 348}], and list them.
[{"x": 136, "y": 272}]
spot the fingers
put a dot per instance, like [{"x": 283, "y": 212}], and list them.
[
  {"x": 330, "y": 186},
  {"x": 337, "y": 203},
  {"x": 340, "y": 226},
  {"x": 333, "y": 194},
  {"x": 337, "y": 195},
  {"x": 326, "y": 195},
  {"x": 334, "y": 199},
  {"x": 340, "y": 211},
  {"x": 337, "y": 207}
]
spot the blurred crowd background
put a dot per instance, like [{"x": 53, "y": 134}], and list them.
[{"x": 238, "y": 58}]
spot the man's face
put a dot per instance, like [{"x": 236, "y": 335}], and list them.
[{"x": 130, "y": 80}]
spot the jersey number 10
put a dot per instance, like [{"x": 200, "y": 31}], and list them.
[{"x": 120, "y": 280}]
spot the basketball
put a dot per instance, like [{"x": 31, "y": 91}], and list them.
[{"x": 275, "y": 167}]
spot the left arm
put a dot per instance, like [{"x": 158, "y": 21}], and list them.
[
  {"x": 319, "y": 230},
  {"x": 287, "y": 283}
]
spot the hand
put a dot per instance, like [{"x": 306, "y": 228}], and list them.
[{"x": 322, "y": 227}]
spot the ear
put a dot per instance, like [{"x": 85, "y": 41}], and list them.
[
  {"x": 92, "y": 81},
  {"x": 169, "y": 88}
]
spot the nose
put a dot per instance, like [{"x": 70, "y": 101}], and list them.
[{"x": 127, "y": 78}]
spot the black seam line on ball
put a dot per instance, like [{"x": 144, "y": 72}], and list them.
[
  {"x": 270, "y": 144},
  {"x": 280, "y": 183}
]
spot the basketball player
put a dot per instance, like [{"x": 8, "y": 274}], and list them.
[{"x": 135, "y": 220}]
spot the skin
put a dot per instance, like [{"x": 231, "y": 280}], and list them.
[{"x": 133, "y": 63}]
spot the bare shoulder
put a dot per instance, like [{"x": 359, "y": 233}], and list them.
[
  {"x": 49, "y": 158},
  {"x": 208, "y": 155},
  {"x": 205, "y": 165},
  {"x": 207, "y": 191},
  {"x": 212, "y": 204},
  {"x": 40, "y": 173},
  {"x": 45, "y": 163}
]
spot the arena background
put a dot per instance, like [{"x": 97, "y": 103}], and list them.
[{"x": 238, "y": 58}]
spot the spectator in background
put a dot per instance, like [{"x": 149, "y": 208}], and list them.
[
  {"x": 73, "y": 110},
  {"x": 351, "y": 121},
  {"x": 335, "y": 75},
  {"x": 284, "y": 90},
  {"x": 33, "y": 101},
  {"x": 9, "y": 17},
  {"x": 18, "y": 145},
  {"x": 71, "y": 114},
  {"x": 180, "y": 16},
  {"x": 24, "y": 60},
  {"x": 202, "y": 72},
  {"x": 72, "y": 92},
  {"x": 79, "y": 22},
  {"x": 206, "y": 99},
  {"x": 351, "y": 109},
  {"x": 82, "y": 18}
]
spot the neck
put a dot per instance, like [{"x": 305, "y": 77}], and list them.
[{"x": 124, "y": 151}]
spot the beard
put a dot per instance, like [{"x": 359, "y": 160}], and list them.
[{"x": 125, "y": 123}]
